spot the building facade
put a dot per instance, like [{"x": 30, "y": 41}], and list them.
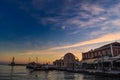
[
  {"x": 106, "y": 57},
  {"x": 67, "y": 61},
  {"x": 111, "y": 50}
]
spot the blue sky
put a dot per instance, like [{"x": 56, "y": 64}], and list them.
[{"x": 50, "y": 28}]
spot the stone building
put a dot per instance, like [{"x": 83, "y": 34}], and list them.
[{"x": 67, "y": 61}]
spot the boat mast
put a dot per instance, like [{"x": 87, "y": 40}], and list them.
[
  {"x": 29, "y": 60},
  {"x": 36, "y": 59}
]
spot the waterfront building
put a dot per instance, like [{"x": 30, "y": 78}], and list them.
[
  {"x": 105, "y": 57},
  {"x": 68, "y": 61},
  {"x": 111, "y": 50}
]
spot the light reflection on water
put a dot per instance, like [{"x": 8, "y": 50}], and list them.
[
  {"x": 56, "y": 75},
  {"x": 21, "y": 73}
]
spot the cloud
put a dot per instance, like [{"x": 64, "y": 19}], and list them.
[
  {"x": 114, "y": 11},
  {"x": 72, "y": 13},
  {"x": 109, "y": 26},
  {"x": 116, "y": 22},
  {"x": 43, "y": 55},
  {"x": 99, "y": 18},
  {"x": 105, "y": 38},
  {"x": 93, "y": 9},
  {"x": 77, "y": 15},
  {"x": 69, "y": 14}
]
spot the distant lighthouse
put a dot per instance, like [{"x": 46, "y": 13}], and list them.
[{"x": 13, "y": 62}]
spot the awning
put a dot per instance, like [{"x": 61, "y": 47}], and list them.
[
  {"x": 90, "y": 61},
  {"x": 106, "y": 61},
  {"x": 96, "y": 61},
  {"x": 118, "y": 61},
  {"x": 116, "y": 57}
]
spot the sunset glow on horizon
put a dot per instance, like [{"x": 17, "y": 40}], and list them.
[{"x": 48, "y": 29}]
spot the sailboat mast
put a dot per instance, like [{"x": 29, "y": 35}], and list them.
[{"x": 36, "y": 59}]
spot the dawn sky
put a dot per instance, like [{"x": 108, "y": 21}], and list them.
[{"x": 48, "y": 29}]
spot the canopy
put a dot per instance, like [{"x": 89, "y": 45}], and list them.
[{"x": 89, "y": 61}]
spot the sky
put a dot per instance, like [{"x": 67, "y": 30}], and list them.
[{"x": 48, "y": 29}]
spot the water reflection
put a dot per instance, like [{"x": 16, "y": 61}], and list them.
[
  {"x": 69, "y": 76},
  {"x": 46, "y": 75},
  {"x": 93, "y": 77},
  {"x": 21, "y": 73},
  {"x": 57, "y": 75},
  {"x": 62, "y": 75},
  {"x": 106, "y": 78},
  {"x": 11, "y": 72},
  {"x": 73, "y": 76}
]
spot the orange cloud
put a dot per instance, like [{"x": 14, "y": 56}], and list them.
[
  {"x": 51, "y": 55},
  {"x": 105, "y": 38}
]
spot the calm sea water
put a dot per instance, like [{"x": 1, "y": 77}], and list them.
[{"x": 21, "y": 73}]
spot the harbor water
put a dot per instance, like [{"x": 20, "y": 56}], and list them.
[{"x": 21, "y": 73}]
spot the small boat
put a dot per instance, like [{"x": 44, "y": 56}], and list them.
[{"x": 32, "y": 65}]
